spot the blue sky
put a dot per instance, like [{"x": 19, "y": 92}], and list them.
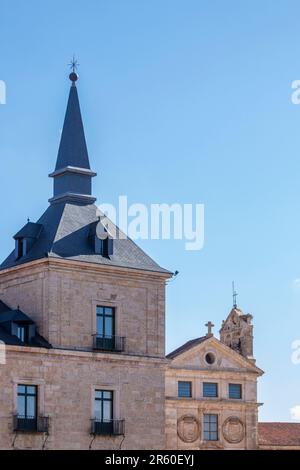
[{"x": 183, "y": 101}]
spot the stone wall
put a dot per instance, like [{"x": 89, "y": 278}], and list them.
[
  {"x": 237, "y": 419},
  {"x": 66, "y": 382},
  {"x": 61, "y": 297},
  {"x": 184, "y": 425}
]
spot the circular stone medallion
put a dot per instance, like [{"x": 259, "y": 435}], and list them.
[
  {"x": 233, "y": 430},
  {"x": 188, "y": 428}
]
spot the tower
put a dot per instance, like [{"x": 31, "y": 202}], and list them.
[
  {"x": 94, "y": 305},
  {"x": 237, "y": 332}
]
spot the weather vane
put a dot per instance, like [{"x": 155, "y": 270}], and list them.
[
  {"x": 234, "y": 295},
  {"x": 74, "y": 66}
]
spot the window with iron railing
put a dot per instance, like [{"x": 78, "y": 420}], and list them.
[
  {"x": 105, "y": 338},
  {"x": 104, "y": 422},
  {"x": 27, "y": 402},
  {"x": 105, "y": 321},
  {"x": 27, "y": 419}
]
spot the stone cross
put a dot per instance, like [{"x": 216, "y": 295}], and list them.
[{"x": 209, "y": 328}]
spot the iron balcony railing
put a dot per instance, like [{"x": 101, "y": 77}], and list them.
[
  {"x": 109, "y": 343},
  {"x": 31, "y": 423},
  {"x": 111, "y": 427}
]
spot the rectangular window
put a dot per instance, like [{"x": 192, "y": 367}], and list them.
[
  {"x": 103, "y": 423},
  {"x": 185, "y": 389},
  {"x": 235, "y": 391},
  {"x": 19, "y": 248},
  {"x": 210, "y": 427},
  {"x": 22, "y": 333},
  {"x": 103, "y": 405},
  {"x": 27, "y": 407},
  {"x": 210, "y": 389},
  {"x": 105, "y": 322}
]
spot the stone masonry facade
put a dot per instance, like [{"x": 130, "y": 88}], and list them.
[
  {"x": 66, "y": 382},
  {"x": 61, "y": 298},
  {"x": 236, "y": 418}
]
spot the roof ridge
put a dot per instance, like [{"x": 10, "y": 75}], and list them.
[{"x": 186, "y": 346}]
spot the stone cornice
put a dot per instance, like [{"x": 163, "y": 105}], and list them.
[
  {"x": 212, "y": 401},
  {"x": 96, "y": 356},
  {"x": 213, "y": 370},
  {"x": 92, "y": 268},
  {"x": 245, "y": 364}
]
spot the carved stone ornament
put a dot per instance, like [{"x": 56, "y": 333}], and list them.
[
  {"x": 233, "y": 430},
  {"x": 188, "y": 428}
]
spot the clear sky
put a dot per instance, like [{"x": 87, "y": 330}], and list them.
[{"x": 183, "y": 101}]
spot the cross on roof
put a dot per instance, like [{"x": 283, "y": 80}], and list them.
[{"x": 209, "y": 326}]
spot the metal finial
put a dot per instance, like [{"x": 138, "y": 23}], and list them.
[
  {"x": 234, "y": 295},
  {"x": 74, "y": 64},
  {"x": 74, "y": 67}
]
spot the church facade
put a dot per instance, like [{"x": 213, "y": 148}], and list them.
[{"x": 211, "y": 390}]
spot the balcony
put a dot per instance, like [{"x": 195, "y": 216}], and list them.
[
  {"x": 109, "y": 343},
  {"x": 113, "y": 427},
  {"x": 31, "y": 423}
]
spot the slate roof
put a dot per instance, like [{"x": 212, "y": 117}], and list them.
[
  {"x": 30, "y": 230},
  {"x": 36, "y": 342},
  {"x": 279, "y": 434},
  {"x": 66, "y": 234},
  {"x": 64, "y": 229},
  {"x": 73, "y": 149},
  {"x": 14, "y": 316},
  {"x": 7, "y": 315},
  {"x": 186, "y": 346},
  {"x": 3, "y": 307}
]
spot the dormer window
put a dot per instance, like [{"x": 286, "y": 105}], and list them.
[
  {"x": 101, "y": 241},
  {"x": 103, "y": 246},
  {"x": 22, "y": 333},
  {"x": 20, "y": 248},
  {"x": 26, "y": 238}
]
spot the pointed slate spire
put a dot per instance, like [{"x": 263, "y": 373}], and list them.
[{"x": 73, "y": 175}]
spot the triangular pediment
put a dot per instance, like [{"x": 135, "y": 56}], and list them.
[{"x": 195, "y": 357}]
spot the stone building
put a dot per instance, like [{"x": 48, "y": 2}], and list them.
[
  {"x": 82, "y": 316},
  {"x": 82, "y": 339},
  {"x": 211, "y": 389}
]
